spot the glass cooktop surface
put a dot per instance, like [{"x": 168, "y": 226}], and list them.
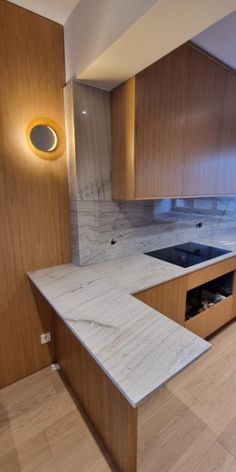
[{"x": 188, "y": 254}]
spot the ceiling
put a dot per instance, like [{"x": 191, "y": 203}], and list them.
[
  {"x": 148, "y": 30},
  {"x": 220, "y": 40},
  {"x": 56, "y": 10},
  {"x": 162, "y": 28}
]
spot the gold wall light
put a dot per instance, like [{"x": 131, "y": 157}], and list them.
[{"x": 45, "y": 138}]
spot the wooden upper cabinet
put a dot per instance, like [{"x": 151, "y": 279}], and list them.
[
  {"x": 174, "y": 129},
  {"x": 226, "y": 181},
  {"x": 160, "y": 122},
  {"x": 204, "y": 112}
]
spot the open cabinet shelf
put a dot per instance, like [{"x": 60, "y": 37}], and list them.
[
  {"x": 212, "y": 318},
  {"x": 170, "y": 298},
  {"x": 209, "y": 305}
]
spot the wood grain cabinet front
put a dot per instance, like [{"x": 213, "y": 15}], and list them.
[
  {"x": 173, "y": 129},
  {"x": 170, "y": 298}
]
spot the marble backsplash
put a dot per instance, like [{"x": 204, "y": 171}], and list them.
[
  {"x": 102, "y": 229},
  {"x": 144, "y": 226}
]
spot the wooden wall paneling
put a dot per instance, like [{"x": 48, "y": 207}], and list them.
[
  {"x": 46, "y": 318},
  {"x": 161, "y": 114},
  {"x": 226, "y": 182},
  {"x": 34, "y": 207},
  {"x": 204, "y": 109},
  {"x": 112, "y": 416},
  {"x": 123, "y": 135},
  {"x": 168, "y": 298}
]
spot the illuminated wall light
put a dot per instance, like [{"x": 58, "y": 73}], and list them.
[{"x": 45, "y": 138}]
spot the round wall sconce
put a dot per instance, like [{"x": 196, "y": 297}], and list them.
[{"x": 45, "y": 138}]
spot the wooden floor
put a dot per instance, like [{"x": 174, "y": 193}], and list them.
[{"x": 42, "y": 430}]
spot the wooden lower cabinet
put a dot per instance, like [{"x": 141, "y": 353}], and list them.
[
  {"x": 169, "y": 298},
  {"x": 135, "y": 438},
  {"x": 211, "y": 319},
  {"x": 113, "y": 418},
  {"x": 131, "y": 436},
  {"x": 201, "y": 276}
]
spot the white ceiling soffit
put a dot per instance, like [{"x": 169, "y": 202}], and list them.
[
  {"x": 156, "y": 32},
  {"x": 56, "y": 10},
  {"x": 96, "y": 24},
  {"x": 219, "y": 40}
]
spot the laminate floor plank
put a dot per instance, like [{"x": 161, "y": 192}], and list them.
[
  {"x": 228, "y": 437},
  {"x": 208, "y": 386},
  {"x": 43, "y": 430},
  {"x": 217, "y": 460}
]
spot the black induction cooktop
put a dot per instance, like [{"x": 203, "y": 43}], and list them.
[{"x": 188, "y": 254}]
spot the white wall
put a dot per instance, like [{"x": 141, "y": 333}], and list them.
[
  {"x": 220, "y": 40},
  {"x": 107, "y": 41},
  {"x": 96, "y": 24}
]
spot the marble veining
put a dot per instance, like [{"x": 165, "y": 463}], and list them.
[
  {"x": 138, "y": 272},
  {"x": 135, "y": 227},
  {"x": 142, "y": 226},
  {"x": 137, "y": 347}
]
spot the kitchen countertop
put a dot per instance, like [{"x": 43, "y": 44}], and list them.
[{"x": 137, "y": 347}]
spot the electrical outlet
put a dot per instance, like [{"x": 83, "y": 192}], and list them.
[{"x": 45, "y": 338}]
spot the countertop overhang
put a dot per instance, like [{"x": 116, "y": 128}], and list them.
[{"x": 138, "y": 348}]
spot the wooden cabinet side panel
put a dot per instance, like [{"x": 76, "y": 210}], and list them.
[
  {"x": 168, "y": 298},
  {"x": 112, "y": 416},
  {"x": 122, "y": 148}
]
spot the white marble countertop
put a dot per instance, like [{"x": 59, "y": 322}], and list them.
[{"x": 137, "y": 347}]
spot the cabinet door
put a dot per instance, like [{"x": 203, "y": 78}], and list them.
[
  {"x": 205, "y": 104},
  {"x": 226, "y": 182},
  {"x": 168, "y": 298},
  {"x": 160, "y": 123}
]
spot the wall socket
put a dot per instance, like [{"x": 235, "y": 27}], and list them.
[{"x": 45, "y": 338}]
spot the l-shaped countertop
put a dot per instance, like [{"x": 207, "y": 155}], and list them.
[{"x": 136, "y": 346}]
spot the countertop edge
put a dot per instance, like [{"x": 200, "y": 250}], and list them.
[
  {"x": 134, "y": 405},
  {"x": 75, "y": 333}
]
